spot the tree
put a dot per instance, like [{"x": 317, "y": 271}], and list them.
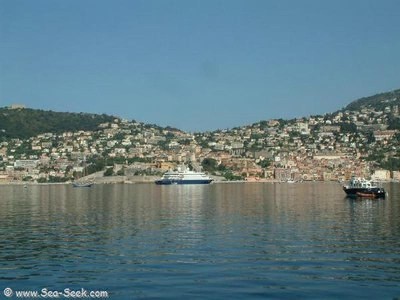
[
  {"x": 348, "y": 128},
  {"x": 24, "y": 123},
  {"x": 392, "y": 164},
  {"x": 265, "y": 163},
  {"x": 393, "y": 122},
  {"x": 230, "y": 176},
  {"x": 108, "y": 172},
  {"x": 121, "y": 172},
  {"x": 209, "y": 164}
]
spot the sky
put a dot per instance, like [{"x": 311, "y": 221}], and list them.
[{"x": 197, "y": 65}]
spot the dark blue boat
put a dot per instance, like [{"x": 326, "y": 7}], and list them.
[{"x": 360, "y": 187}]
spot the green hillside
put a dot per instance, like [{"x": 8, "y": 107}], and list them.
[
  {"x": 26, "y": 122},
  {"x": 378, "y": 101}
]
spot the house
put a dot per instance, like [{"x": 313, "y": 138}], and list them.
[{"x": 381, "y": 135}]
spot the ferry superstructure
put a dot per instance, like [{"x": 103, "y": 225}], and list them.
[{"x": 184, "y": 176}]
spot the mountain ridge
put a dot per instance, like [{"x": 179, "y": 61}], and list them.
[
  {"x": 23, "y": 122},
  {"x": 375, "y": 101}
]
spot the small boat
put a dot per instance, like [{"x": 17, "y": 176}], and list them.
[
  {"x": 184, "y": 176},
  {"x": 360, "y": 187},
  {"x": 82, "y": 184}
]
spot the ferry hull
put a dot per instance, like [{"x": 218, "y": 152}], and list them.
[{"x": 168, "y": 182}]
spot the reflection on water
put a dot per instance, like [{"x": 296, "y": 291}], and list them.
[{"x": 213, "y": 241}]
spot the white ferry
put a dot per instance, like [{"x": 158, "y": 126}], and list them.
[{"x": 184, "y": 176}]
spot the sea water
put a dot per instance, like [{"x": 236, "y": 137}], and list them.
[{"x": 218, "y": 241}]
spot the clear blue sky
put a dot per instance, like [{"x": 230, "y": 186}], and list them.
[{"x": 197, "y": 65}]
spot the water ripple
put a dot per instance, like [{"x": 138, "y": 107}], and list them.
[{"x": 220, "y": 241}]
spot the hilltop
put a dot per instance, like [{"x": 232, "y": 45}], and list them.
[
  {"x": 377, "y": 102},
  {"x": 23, "y": 122},
  {"x": 20, "y": 122}
]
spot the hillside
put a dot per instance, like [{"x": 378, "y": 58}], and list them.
[
  {"x": 378, "y": 101},
  {"x": 333, "y": 146},
  {"x": 26, "y": 122}
]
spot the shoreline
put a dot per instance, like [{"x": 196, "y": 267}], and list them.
[{"x": 150, "y": 181}]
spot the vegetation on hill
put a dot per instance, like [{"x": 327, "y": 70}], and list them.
[
  {"x": 211, "y": 165},
  {"x": 25, "y": 122},
  {"x": 378, "y": 101}
]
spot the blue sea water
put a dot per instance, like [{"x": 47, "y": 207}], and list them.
[{"x": 218, "y": 241}]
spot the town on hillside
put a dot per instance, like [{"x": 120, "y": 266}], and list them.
[{"x": 332, "y": 147}]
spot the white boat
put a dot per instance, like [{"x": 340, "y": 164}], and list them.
[
  {"x": 184, "y": 176},
  {"x": 81, "y": 182}
]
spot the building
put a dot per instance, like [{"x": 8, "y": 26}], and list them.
[
  {"x": 26, "y": 164},
  {"x": 17, "y": 106},
  {"x": 381, "y": 175}
]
